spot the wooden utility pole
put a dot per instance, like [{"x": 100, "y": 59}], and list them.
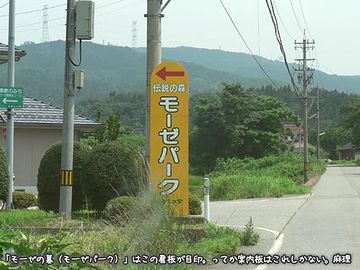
[{"x": 305, "y": 77}]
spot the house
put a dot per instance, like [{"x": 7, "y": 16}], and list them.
[
  {"x": 291, "y": 131},
  {"x": 348, "y": 152},
  {"x": 4, "y": 53},
  {"x": 38, "y": 126}
]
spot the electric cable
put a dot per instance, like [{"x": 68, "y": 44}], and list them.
[
  {"x": 71, "y": 60},
  {"x": 282, "y": 23},
  {"x": 4, "y": 5},
  {"x": 247, "y": 46},
  {"x": 271, "y": 9},
  {"x": 296, "y": 17},
  {"x": 303, "y": 15},
  {"x": 32, "y": 11}
]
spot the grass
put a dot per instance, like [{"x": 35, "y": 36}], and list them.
[
  {"x": 196, "y": 184},
  {"x": 272, "y": 176},
  {"x": 219, "y": 241},
  {"x": 20, "y": 218},
  {"x": 150, "y": 232},
  {"x": 343, "y": 162}
]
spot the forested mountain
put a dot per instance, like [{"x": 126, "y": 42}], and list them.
[
  {"x": 131, "y": 106},
  {"x": 122, "y": 70}
]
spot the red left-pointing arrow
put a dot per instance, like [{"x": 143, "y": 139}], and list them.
[{"x": 162, "y": 73}]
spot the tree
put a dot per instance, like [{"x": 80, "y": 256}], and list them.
[
  {"x": 352, "y": 119},
  {"x": 334, "y": 137},
  {"x": 111, "y": 130},
  {"x": 237, "y": 123}
]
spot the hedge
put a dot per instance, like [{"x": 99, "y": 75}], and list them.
[
  {"x": 22, "y": 200},
  {"x": 114, "y": 169},
  {"x": 49, "y": 177},
  {"x": 3, "y": 176}
]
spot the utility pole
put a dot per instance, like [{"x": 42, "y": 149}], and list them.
[
  {"x": 305, "y": 78},
  {"x": 10, "y": 112},
  {"x": 318, "y": 123},
  {"x": 68, "y": 119},
  {"x": 153, "y": 59}
]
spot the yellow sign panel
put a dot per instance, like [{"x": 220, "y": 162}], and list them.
[{"x": 169, "y": 134}]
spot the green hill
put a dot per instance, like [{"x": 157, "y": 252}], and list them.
[{"x": 122, "y": 69}]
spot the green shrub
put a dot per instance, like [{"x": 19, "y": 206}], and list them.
[
  {"x": 49, "y": 177},
  {"x": 357, "y": 162},
  {"x": 249, "y": 237},
  {"x": 3, "y": 176},
  {"x": 113, "y": 169},
  {"x": 119, "y": 209},
  {"x": 194, "y": 205},
  {"x": 23, "y": 200}
]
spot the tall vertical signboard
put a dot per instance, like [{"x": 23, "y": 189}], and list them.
[{"x": 169, "y": 135}]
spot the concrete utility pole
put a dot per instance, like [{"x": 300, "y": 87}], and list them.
[
  {"x": 305, "y": 45},
  {"x": 318, "y": 123},
  {"x": 10, "y": 112},
  {"x": 153, "y": 59},
  {"x": 68, "y": 121}
]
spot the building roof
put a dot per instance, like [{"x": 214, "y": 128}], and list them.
[
  {"x": 4, "y": 53},
  {"x": 345, "y": 147},
  {"x": 295, "y": 130},
  {"x": 36, "y": 113}
]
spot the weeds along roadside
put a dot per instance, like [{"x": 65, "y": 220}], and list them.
[
  {"x": 272, "y": 176},
  {"x": 150, "y": 230}
]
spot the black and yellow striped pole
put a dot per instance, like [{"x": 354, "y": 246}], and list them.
[{"x": 66, "y": 178}]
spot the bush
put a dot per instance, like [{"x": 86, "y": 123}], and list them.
[
  {"x": 22, "y": 200},
  {"x": 3, "y": 176},
  {"x": 119, "y": 209},
  {"x": 49, "y": 177},
  {"x": 194, "y": 205},
  {"x": 114, "y": 169}
]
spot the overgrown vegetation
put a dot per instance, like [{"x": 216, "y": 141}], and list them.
[
  {"x": 266, "y": 177},
  {"x": 150, "y": 230},
  {"x": 235, "y": 126}
]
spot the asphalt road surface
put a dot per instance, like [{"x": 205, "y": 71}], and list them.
[{"x": 313, "y": 231}]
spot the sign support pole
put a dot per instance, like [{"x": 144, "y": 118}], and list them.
[
  {"x": 68, "y": 120},
  {"x": 153, "y": 59},
  {"x": 10, "y": 113}
]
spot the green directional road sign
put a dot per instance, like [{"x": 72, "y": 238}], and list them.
[{"x": 11, "y": 97}]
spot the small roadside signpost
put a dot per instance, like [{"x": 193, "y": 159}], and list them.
[
  {"x": 11, "y": 97},
  {"x": 169, "y": 135}
]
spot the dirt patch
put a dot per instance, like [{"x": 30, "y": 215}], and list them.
[{"x": 313, "y": 180}]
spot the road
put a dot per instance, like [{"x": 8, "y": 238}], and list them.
[{"x": 323, "y": 224}]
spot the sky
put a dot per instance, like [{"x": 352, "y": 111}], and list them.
[{"x": 333, "y": 24}]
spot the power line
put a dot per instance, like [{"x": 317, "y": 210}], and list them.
[
  {"x": 302, "y": 11},
  {"x": 4, "y": 5},
  {"x": 110, "y": 4},
  {"x": 63, "y": 17},
  {"x": 33, "y": 11},
  {"x": 271, "y": 9},
  {"x": 247, "y": 46},
  {"x": 282, "y": 23},
  {"x": 296, "y": 17}
]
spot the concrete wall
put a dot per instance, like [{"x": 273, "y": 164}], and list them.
[{"x": 29, "y": 148}]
